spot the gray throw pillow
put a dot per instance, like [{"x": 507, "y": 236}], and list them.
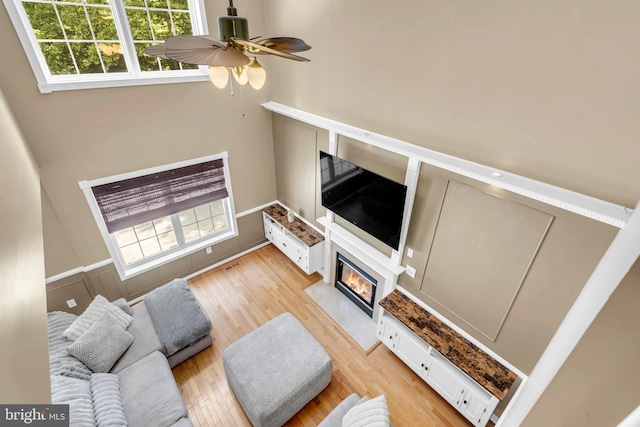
[
  {"x": 102, "y": 344},
  {"x": 91, "y": 314}
]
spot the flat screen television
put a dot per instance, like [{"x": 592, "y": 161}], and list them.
[{"x": 370, "y": 201}]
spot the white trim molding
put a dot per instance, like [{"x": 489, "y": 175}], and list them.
[
  {"x": 95, "y": 265},
  {"x": 83, "y": 269},
  {"x": 609, "y": 273},
  {"x": 581, "y": 204}
]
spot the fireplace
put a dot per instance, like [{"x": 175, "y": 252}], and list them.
[{"x": 356, "y": 284}]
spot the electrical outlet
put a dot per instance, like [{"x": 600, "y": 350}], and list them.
[
  {"x": 71, "y": 303},
  {"x": 410, "y": 252},
  {"x": 209, "y": 250},
  {"x": 411, "y": 272}
]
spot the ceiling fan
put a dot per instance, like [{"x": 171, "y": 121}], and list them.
[{"x": 229, "y": 53}]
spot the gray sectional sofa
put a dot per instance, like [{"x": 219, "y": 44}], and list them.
[{"x": 138, "y": 391}]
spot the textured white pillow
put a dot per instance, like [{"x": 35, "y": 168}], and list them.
[
  {"x": 102, "y": 345},
  {"x": 372, "y": 413},
  {"x": 92, "y": 314}
]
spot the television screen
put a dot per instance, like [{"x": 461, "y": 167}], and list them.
[{"x": 371, "y": 202}]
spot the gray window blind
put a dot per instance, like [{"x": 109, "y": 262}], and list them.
[{"x": 133, "y": 201}]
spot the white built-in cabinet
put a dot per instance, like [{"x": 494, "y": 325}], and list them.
[
  {"x": 308, "y": 258},
  {"x": 472, "y": 400}
]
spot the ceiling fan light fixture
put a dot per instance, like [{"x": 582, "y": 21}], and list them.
[
  {"x": 232, "y": 25},
  {"x": 257, "y": 75},
  {"x": 231, "y": 54},
  {"x": 240, "y": 74},
  {"x": 219, "y": 76}
]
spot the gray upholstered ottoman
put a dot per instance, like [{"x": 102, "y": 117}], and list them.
[{"x": 275, "y": 370}]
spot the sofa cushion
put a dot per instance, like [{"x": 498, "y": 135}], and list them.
[
  {"x": 372, "y": 413},
  {"x": 102, "y": 344},
  {"x": 77, "y": 394},
  {"x": 189, "y": 351},
  {"x": 149, "y": 393},
  {"x": 123, "y": 305},
  {"x": 107, "y": 405},
  {"x": 183, "y": 422},
  {"x": 92, "y": 314},
  {"x": 145, "y": 339},
  {"x": 60, "y": 361},
  {"x": 177, "y": 315},
  {"x": 334, "y": 419}
]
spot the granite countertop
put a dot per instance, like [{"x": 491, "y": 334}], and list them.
[
  {"x": 298, "y": 228},
  {"x": 485, "y": 370}
]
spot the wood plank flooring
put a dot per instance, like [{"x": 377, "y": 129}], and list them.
[{"x": 246, "y": 293}]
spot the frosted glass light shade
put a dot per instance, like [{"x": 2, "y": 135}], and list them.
[
  {"x": 219, "y": 76},
  {"x": 240, "y": 74},
  {"x": 257, "y": 75}
]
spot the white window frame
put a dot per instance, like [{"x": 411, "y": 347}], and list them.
[
  {"x": 127, "y": 271},
  {"x": 48, "y": 83}
]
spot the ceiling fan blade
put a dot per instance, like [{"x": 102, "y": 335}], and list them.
[
  {"x": 284, "y": 44},
  {"x": 200, "y": 50},
  {"x": 256, "y": 48},
  {"x": 157, "y": 50}
]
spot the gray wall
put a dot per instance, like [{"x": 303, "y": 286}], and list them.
[
  {"x": 545, "y": 89},
  {"x": 597, "y": 385},
  {"x": 492, "y": 250},
  {"x": 503, "y": 267},
  {"x": 24, "y": 359}
]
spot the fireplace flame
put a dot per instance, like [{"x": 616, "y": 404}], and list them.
[{"x": 358, "y": 284}]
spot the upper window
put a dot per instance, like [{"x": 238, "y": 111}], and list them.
[
  {"x": 151, "y": 217},
  {"x": 76, "y": 44}
]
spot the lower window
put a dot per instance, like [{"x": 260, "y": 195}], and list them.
[{"x": 151, "y": 217}]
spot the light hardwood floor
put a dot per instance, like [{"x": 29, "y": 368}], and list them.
[{"x": 246, "y": 293}]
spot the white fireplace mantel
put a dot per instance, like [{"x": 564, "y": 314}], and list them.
[{"x": 358, "y": 247}]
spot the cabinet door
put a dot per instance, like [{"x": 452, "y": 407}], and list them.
[
  {"x": 473, "y": 405},
  {"x": 303, "y": 259},
  {"x": 267, "y": 229},
  {"x": 289, "y": 248},
  {"x": 315, "y": 255},
  {"x": 387, "y": 333},
  {"x": 277, "y": 236},
  {"x": 412, "y": 353},
  {"x": 445, "y": 382}
]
